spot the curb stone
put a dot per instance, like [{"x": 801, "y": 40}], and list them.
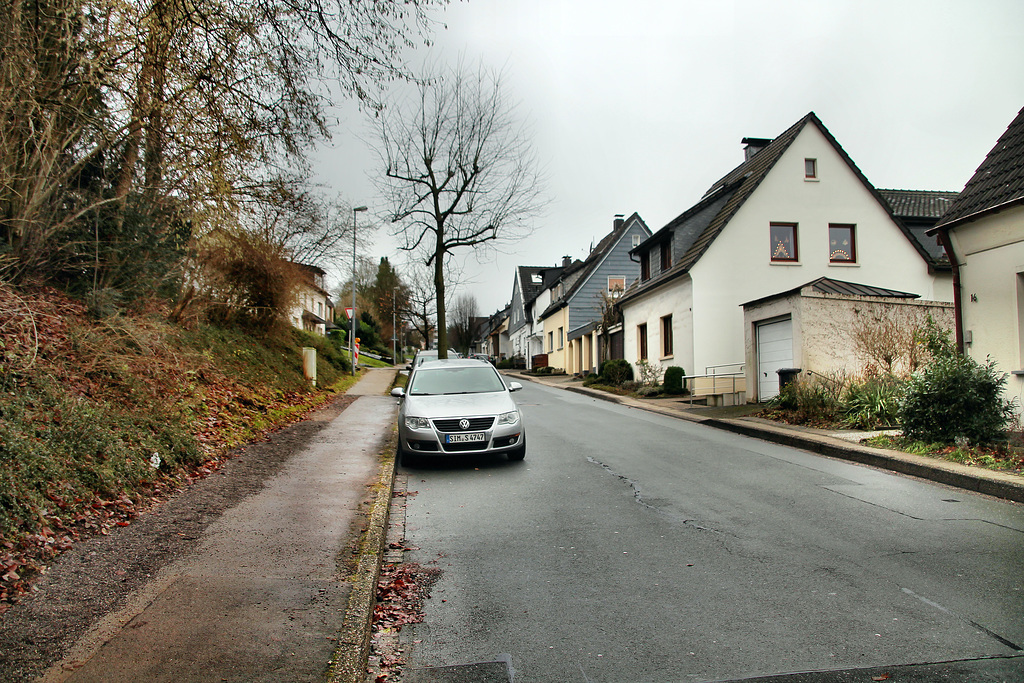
[
  {"x": 350, "y": 656},
  {"x": 988, "y": 482}
]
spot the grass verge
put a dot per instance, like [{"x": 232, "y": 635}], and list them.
[
  {"x": 1000, "y": 457},
  {"x": 100, "y": 418}
]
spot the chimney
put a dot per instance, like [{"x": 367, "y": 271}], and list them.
[
  {"x": 753, "y": 146},
  {"x": 619, "y": 220},
  {"x": 566, "y": 261}
]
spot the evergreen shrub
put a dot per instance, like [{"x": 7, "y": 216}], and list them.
[
  {"x": 673, "y": 381},
  {"x": 616, "y": 371},
  {"x": 954, "y": 397}
]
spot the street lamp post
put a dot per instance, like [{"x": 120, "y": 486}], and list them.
[
  {"x": 352, "y": 336},
  {"x": 394, "y": 329}
]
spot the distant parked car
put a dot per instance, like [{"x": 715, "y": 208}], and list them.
[
  {"x": 428, "y": 354},
  {"x": 482, "y": 356},
  {"x": 420, "y": 357},
  {"x": 459, "y": 407}
]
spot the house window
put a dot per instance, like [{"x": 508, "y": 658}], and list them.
[
  {"x": 616, "y": 284},
  {"x": 645, "y": 266},
  {"x": 641, "y": 341},
  {"x": 1020, "y": 322},
  {"x": 551, "y": 342},
  {"x": 842, "y": 245},
  {"x": 636, "y": 241},
  {"x": 666, "y": 336},
  {"x": 561, "y": 338},
  {"x": 783, "y": 239},
  {"x": 666, "y": 256},
  {"x": 811, "y": 169}
]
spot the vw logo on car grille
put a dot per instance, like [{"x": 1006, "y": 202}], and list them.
[{"x": 464, "y": 424}]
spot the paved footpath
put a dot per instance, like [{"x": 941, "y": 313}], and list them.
[{"x": 262, "y": 598}]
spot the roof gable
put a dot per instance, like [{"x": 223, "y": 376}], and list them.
[
  {"x": 580, "y": 272},
  {"x": 748, "y": 176},
  {"x": 997, "y": 182},
  {"x": 531, "y": 281},
  {"x": 700, "y": 227}
]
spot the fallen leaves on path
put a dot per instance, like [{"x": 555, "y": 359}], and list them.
[{"x": 401, "y": 592}]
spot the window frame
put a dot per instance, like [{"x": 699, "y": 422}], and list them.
[
  {"x": 561, "y": 338},
  {"x": 645, "y": 266},
  {"x": 621, "y": 288},
  {"x": 852, "y": 227},
  {"x": 641, "y": 341},
  {"x": 810, "y": 169},
  {"x": 667, "y": 349},
  {"x": 794, "y": 227},
  {"x": 1020, "y": 324},
  {"x": 666, "y": 256}
]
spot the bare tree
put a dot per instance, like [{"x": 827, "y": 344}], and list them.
[
  {"x": 419, "y": 306},
  {"x": 465, "y": 314},
  {"x": 458, "y": 172},
  {"x": 611, "y": 315}
]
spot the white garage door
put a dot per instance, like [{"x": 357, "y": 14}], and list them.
[{"x": 774, "y": 351}]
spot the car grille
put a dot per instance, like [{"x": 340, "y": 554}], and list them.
[{"x": 476, "y": 424}]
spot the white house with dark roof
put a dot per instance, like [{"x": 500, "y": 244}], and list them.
[
  {"x": 530, "y": 295},
  {"x": 983, "y": 234},
  {"x": 795, "y": 210},
  {"x": 312, "y": 309}
]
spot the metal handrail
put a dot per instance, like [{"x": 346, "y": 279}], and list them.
[
  {"x": 732, "y": 376},
  {"x": 709, "y": 368}
]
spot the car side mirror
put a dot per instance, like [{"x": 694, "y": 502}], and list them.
[
  {"x": 514, "y": 386},
  {"x": 408, "y": 366},
  {"x": 398, "y": 392}
]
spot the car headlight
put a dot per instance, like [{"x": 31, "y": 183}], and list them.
[
  {"x": 509, "y": 418},
  {"x": 417, "y": 423}
]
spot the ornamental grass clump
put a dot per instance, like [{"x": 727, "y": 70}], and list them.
[{"x": 872, "y": 403}]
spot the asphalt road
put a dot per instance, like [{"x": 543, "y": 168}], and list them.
[{"x": 634, "y": 547}]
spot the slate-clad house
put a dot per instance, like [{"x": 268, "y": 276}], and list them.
[
  {"x": 983, "y": 234},
  {"x": 577, "y": 296},
  {"x": 796, "y": 209}
]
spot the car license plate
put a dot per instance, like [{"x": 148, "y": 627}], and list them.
[{"x": 464, "y": 438}]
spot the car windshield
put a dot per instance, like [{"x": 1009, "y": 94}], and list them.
[{"x": 433, "y": 381}]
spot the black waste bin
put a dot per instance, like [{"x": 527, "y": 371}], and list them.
[{"x": 787, "y": 376}]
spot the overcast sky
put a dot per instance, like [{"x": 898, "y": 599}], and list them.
[{"x": 641, "y": 105}]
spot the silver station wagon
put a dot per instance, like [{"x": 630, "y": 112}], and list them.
[{"x": 459, "y": 407}]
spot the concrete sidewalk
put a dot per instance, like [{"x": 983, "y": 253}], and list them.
[
  {"x": 842, "y": 444},
  {"x": 262, "y": 598}
]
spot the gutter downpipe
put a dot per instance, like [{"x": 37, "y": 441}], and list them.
[{"x": 947, "y": 244}]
